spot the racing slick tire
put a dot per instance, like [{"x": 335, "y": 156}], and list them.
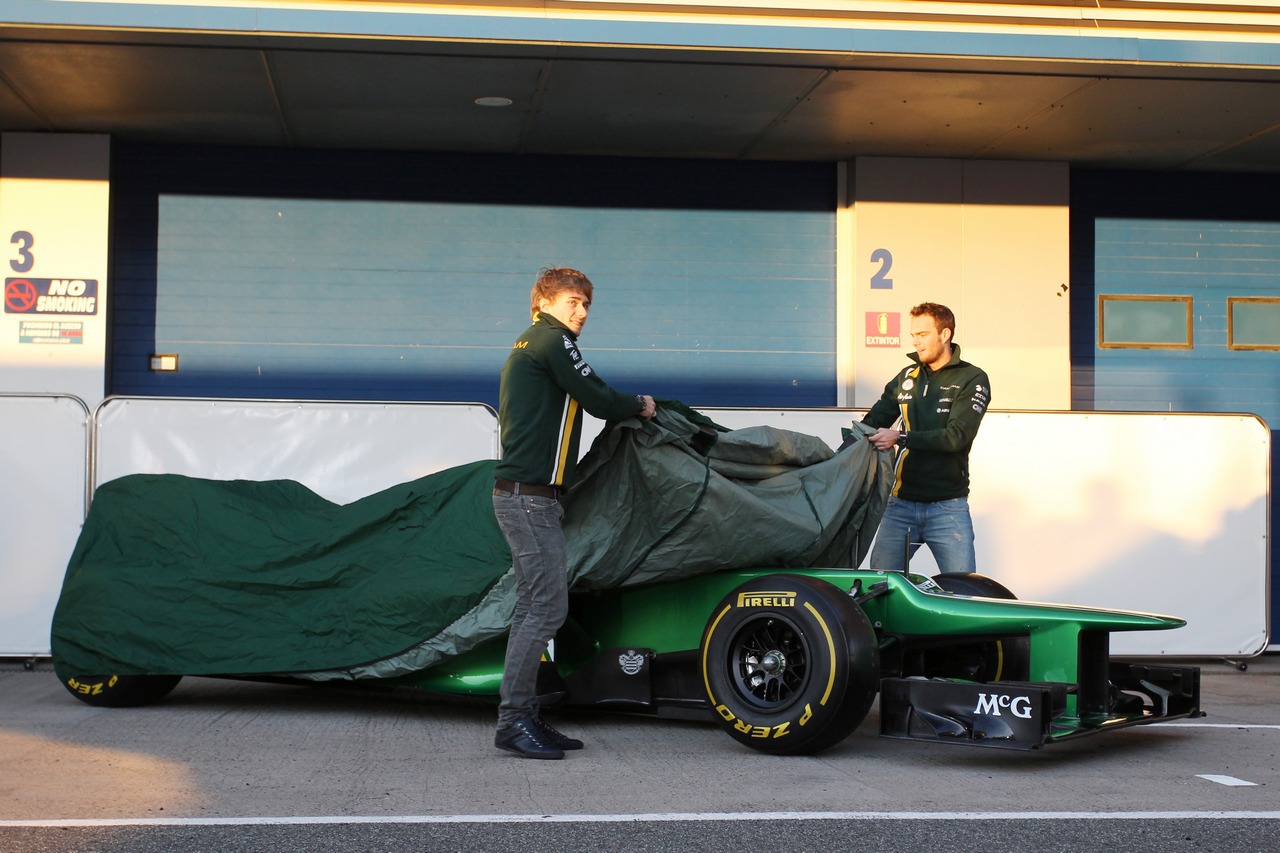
[
  {"x": 1006, "y": 659},
  {"x": 118, "y": 691},
  {"x": 790, "y": 664}
]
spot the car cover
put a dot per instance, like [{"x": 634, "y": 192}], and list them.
[{"x": 180, "y": 575}]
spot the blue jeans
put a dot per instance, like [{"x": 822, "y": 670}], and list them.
[
  {"x": 945, "y": 526},
  {"x": 531, "y": 525}
]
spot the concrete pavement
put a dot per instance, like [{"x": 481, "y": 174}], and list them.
[{"x": 219, "y": 750}]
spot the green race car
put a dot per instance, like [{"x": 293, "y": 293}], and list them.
[
  {"x": 411, "y": 588},
  {"x": 791, "y": 662}
]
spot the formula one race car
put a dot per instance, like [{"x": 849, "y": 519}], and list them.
[{"x": 411, "y": 588}]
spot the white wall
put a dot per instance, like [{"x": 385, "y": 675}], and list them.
[
  {"x": 44, "y": 453},
  {"x": 989, "y": 240},
  {"x": 54, "y": 201},
  {"x": 340, "y": 450},
  {"x": 1152, "y": 512}
]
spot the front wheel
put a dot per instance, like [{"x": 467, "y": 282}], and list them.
[
  {"x": 1006, "y": 659},
  {"x": 790, "y": 664},
  {"x": 971, "y": 583}
]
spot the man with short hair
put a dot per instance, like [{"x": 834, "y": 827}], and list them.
[
  {"x": 939, "y": 401},
  {"x": 545, "y": 386}
]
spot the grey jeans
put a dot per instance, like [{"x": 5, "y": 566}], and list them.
[{"x": 531, "y": 525}]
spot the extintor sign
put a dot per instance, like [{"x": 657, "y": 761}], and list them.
[{"x": 884, "y": 329}]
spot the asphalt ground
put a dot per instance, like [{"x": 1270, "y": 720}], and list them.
[{"x": 231, "y": 766}]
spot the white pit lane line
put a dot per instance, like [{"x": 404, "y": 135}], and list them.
[
  {"x": 736, "y": 817},
  {"x": 1229, "y": 781},
  {"x": 1187, "y": 725}
]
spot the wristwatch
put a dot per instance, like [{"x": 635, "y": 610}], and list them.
[{"x": 902, "y": 438}]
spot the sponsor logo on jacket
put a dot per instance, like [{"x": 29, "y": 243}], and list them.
[
  {"x": 981, "y": 397},
  {"x": 579, "y": 363}
]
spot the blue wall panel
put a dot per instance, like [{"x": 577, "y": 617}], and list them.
[
  {"x": 275, "y": 274},
  {"x": 1208, "y": 261}
]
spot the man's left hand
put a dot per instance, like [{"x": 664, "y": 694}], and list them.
[{"x": 885, "y": 438}]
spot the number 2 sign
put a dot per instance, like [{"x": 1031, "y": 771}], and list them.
[{"x": 880, "y": 278}]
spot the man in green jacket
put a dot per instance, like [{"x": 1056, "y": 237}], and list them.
[
  {"x": 930, "y": 412},
  {"x": 546, "y": 384}
]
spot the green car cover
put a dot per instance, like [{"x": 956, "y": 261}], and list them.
[{"x": 179, "y": 575}]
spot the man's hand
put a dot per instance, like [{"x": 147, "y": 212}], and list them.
[
  {"x": 885, "y": 438},
  {"x": 649, "y": 409}
]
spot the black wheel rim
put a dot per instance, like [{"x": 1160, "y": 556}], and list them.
[{"x": 769, "y": 662}]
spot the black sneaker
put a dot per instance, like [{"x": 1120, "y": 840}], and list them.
[
  {"x": 526, "y": 739},
  {"x": 562, "y": 741}
]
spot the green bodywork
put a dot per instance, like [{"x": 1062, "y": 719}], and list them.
[{"x": 670, "y": 617}]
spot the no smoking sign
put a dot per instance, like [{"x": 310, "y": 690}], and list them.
[
  {"x": 50, "y": 296},
  {"x": 19, "y": 296}
]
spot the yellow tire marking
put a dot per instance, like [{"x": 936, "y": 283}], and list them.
[
  {"x": 706, "y": 647},
  {"x": 831, "y": 653}
]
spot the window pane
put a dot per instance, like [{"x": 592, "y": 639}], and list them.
[
  {"x": 1255, "y": 323},
  {"x": 1145, "y": 321}
]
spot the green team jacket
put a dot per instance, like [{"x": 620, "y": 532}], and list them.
[
  {"x": 546, "y": 383},
  {"x": 941, "y": 411}
]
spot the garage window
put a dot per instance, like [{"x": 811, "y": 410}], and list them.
[
  {"x": 1253, "y": 323},
  {"x": 1145, "y": 322}
]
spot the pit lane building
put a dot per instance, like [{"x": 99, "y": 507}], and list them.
[{"x": 349, "y": 200}]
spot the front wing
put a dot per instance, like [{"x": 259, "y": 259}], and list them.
[{"x": 1014, "y": 715}]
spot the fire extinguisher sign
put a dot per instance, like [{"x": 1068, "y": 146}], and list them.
[{"x": 884, "y": 329}]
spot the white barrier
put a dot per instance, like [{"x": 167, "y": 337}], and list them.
[
  {"x": 1163, "y": 513},
  {"x": 44, "y": 460},
  {"x": 340, "y": 450}
]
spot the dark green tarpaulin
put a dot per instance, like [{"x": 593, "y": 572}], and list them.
[{"x": 180, "y": 575}]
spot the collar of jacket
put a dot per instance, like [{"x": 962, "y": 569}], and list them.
[
  {"x": 548, "y": 320},
  {"x": 955, "y": 358}
]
